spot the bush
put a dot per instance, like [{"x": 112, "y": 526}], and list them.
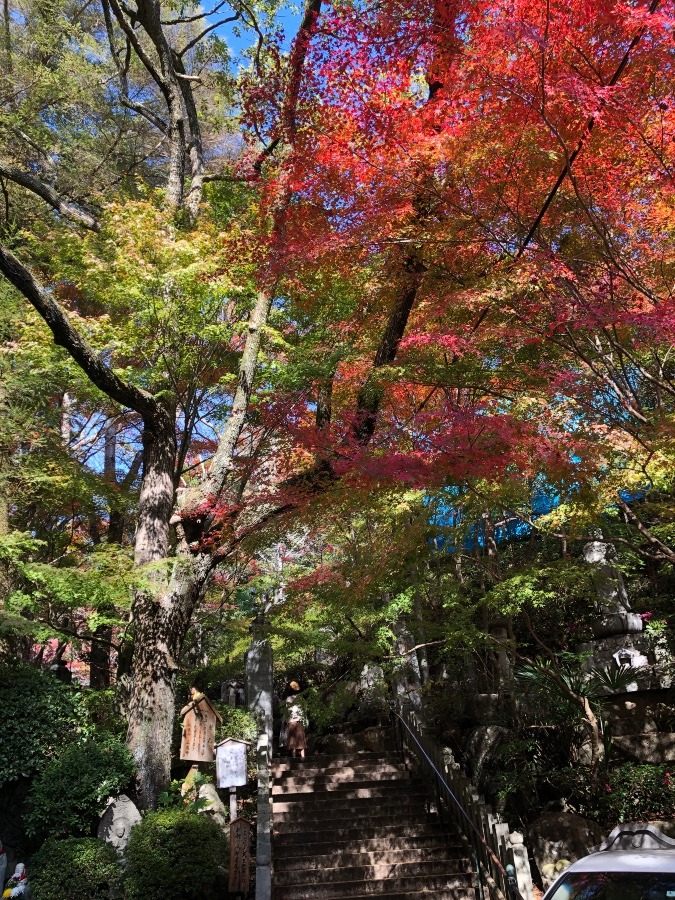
[
  {"x": 71, "y": 793},
  {"x": 177, "y": 854},
  {"x": 39, "y": 715},
  {"x": 102, "y": 712},
  {"x": 76, "y": 868},
  {"x": 637, "y": 793},
  {"x": 622, "y": 793},
  {"x": 236, "y": 723}
]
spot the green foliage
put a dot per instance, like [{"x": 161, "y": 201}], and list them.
[
  {"x": 327, "y": 710},
  {"x": 100, "y": 585},
  {"x": 564, "y": 680},
  {"x": 656, "y": 627},
  {"x": 540, "y": 585},
  {"x": 237, "y": 723},
  {"x": 40, "y": 715},
  {"x": 177, "y": 854},
  {"x": 637, "y": 793},
  {"x": 625, "y": 793},
  {"x": 76, "y": 868},
  {"x": 177, "y": 797},
  {"x": 102, "y": 712},
  {"x": 71, "y": 793}
]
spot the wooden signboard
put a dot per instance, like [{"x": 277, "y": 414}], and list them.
[
  {"x": 231, "y": 763},
  {"x": 199, "y": 730},
  {"x": 240, "y": 856}
]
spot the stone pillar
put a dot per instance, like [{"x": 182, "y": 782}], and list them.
[
  {"x": 517, "y": 851},
  {"x": 259, "y": 683},
  {"x": 259, "y": 692},
  {"x": 263, "y": 854}
]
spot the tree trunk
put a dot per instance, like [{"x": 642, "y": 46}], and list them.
[
  {"x": 158, "y": 632},
  {"x": 595, "y": 737},
  {"x": 155, "y": 503},
  {"x": 491, "y": 548}
]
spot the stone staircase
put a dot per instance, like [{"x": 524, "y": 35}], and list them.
[{"x": 359, "y": 826}]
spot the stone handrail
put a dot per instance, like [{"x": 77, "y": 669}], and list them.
[{"x": 500, "y": 853}]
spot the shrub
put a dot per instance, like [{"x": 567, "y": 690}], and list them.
[
  {"x": 236, "y": 723},
  {"x": 102, "y": 712},
  {"x": 71, "y": 793},
  {"x": 39, "y": 715},
  {"x": 632, "y": 792},
  {"x": 76, "y": 868},
  {"x": 177, "y": 854}
]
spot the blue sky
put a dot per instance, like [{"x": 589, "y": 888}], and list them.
[{"x": 288, "y": 17}]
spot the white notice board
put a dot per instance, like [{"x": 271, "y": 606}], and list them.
[{"x": 231, "y": 764}]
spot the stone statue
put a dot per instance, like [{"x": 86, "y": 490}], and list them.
[
  {"x": 18, "y": 886},
  {"x": 609, "y": 583},
  {"x": 117, "y": 821},
  {"x": 612, "y": 597}
]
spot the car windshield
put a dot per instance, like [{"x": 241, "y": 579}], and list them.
[{"x": 616, "y": 886}]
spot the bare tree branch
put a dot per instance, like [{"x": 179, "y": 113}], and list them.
[
  {"x": 180, "y": 20},
  {"x": 206, "y": 31},
  {"x": 664, "y": 549}
]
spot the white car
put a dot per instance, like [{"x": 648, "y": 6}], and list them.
[{"x": 637, "y": 862}]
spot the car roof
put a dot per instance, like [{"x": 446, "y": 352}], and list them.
[{"x": 626, "y": 861}]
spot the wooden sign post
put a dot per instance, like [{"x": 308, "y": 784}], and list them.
[
  {"x": 240, "y": 856},
  {"x": 231, "y": 769},
  {"x": 199, "y": 729}
]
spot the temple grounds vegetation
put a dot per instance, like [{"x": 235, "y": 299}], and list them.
[{"x": 360, "y": 332}]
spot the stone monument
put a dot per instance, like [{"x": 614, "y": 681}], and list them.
[
  {"x": 617, "y": 632},
  {"x": 619, "y": 640},
  {"x": 117, "y": 821},
  {"x": 259, "y": 682}
]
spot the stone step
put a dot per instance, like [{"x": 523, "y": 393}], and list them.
[
  {"x": 320, "y": 780},
  {"x": 356, "y": 826},
  {"x": 291, "y": 845},
  {"x": 358, "y": 812},
  {"x": 372, "y": 827},
  {"x": 325, "y": 761},
  {"x": 373, "y": 872},
  {"x": 403, "y": 793},
  {"x": 461, "y": 886},
  {"x": 321, "y": 859},
  {"x": 311, "y": 770},
  {"x": 452, "y": 894},
  {"x": 314, "y": 824},
  {"x": 360, "y": 780}
]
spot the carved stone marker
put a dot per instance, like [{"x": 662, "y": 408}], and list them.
[
  {"x": 117, "y": 821},
  {"x": 199, "y": 729},
  {"x": 260, "y": 682},
  {"x": 240, "y": 856}
]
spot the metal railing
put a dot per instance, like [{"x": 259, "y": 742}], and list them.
[{"x": 499, "y": 858}]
